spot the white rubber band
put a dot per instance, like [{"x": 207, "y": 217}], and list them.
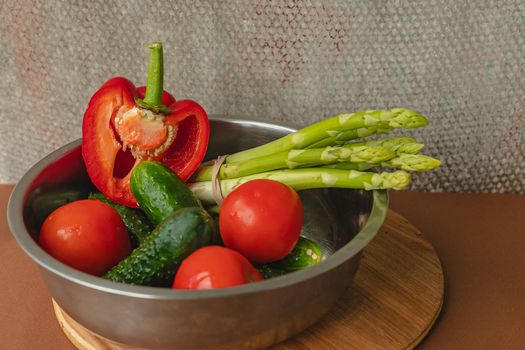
[{"x": 215, "y": 183}]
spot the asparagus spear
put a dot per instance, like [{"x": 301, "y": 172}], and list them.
[
  {"x": 300, "y": 179},
  {"x": 412, "y": 162},
  {"x": 405, "y": 144},
  {"x": 394, "y": 118},
  {"x": 372, "y": 151},
  {"x": 408, "y": 162},
  {"x": 350, "y": 166},
  {"x": 400, "y": 144},
  {"x": 356, "y": 153},
  {"x": 343, "y": 136}
]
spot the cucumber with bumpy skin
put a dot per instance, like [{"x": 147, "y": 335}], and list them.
[
  {"x": 155, "y": 261},
  {"x": 305, "y": 253},
  {"x": 159, "y": 191},
  {"x": 43, "y": 204},
  {"x": 269, "y": 271},
  {"x": 135, "y": 220}
]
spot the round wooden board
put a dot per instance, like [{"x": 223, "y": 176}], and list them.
[{"x": 395, "y": 299}]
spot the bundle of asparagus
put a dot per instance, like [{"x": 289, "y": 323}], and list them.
[{"x": 326, "y": 154}]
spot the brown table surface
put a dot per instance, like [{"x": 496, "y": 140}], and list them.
[{"x": 480, "y": 239}]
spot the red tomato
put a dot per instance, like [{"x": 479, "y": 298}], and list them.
[
  {"x": 262, "y": 220},
  {"x": 215, "y": 267},
  {"x": 87, "y": 235}
]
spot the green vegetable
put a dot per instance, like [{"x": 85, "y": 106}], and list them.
[
  {"x": 408, "y": 162},
  {"x": 382, "y": 120},
  {"x": 350, "y": 166},
  {"x": 378, "y": 151},
  {"x": 344, "y": 136},
  {"x": 137, "y": 223},
  {"x": 305, "y": 253},
  {"x": 156, "y": 260},
  {"x": 159, "y": 191},
  {"x": 356, "y": 153},
  {"x": 269, "y": 271},
  {"x": 300, "y": 179},
  {"x": 399, "y": 145},
  {"x": 42, "y": 204},
  {"x": 412, "y": 162},
  {"x": 320, "y": 156},
  {"x": 213, "y": 211}
]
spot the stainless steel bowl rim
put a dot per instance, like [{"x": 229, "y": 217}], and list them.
[{"x": 26, "y": 242}]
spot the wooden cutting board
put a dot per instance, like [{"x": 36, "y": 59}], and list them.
[{"x": 395, "y": 299}]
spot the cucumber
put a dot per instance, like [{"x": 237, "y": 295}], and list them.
[
  {"x": 214, "y": 213},
  {"x": 159, "y": 191},
  {"x": 42, "y": 204},
  {"x": 269, "y": 271},
  {"x": 137, "y": 223},
  {"x": 305, "y": 253},
  {"x": 155, "y": 261}
]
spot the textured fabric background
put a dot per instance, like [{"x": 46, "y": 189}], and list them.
[{"x": 460, "y": 63}]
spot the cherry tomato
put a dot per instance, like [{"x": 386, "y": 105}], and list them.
[
  {"x": 87, "y": 235},
  {"x": 215, "y": 267},
  {"x": 261, "y": 219}
]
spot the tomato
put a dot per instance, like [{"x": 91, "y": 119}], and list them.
[
  {"x": 215, "y": 267},
  {"x": 87, "y": 235},
  {"x": 262, "y": 220}
]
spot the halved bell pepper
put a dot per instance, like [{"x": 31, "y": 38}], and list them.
[{"x": 124, "y": 125}]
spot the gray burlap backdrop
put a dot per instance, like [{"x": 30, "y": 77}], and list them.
[{"x": 460, "y": 63}]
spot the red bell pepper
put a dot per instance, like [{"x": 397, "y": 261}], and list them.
[{"x": 124, "y": 125}]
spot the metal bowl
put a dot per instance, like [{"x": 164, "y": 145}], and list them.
[{"x": 251, "y": 316}]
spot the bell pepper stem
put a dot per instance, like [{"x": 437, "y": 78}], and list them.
[{"x": 155, "y": 81}]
